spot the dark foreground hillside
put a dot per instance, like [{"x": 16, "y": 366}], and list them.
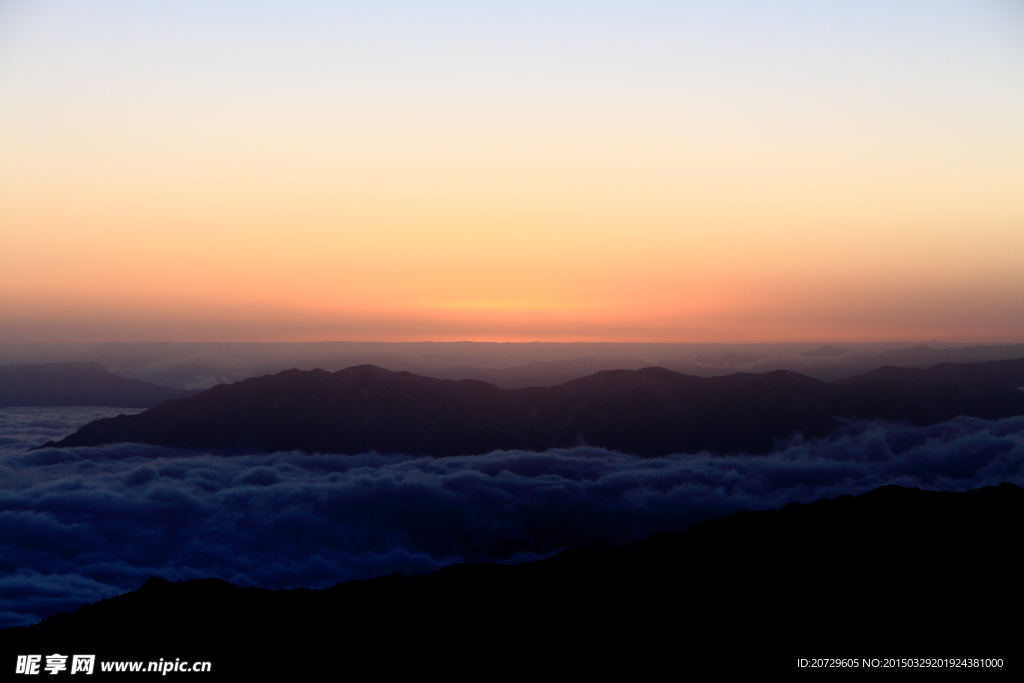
[
  {"x": 647, "y": 412},
  {"x": 77, "y": 384},
  {"x": 893, "y": 573}
]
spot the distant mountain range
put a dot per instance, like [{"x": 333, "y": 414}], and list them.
[
  {"x": 649, "y": 412},
  {"x": 77, "y": 384},
  {"x": 201, "y": 365},
  {"x": 891, "y": 574}
]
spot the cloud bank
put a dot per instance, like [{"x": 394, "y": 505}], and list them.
[
  {"x": 24, "y": 428},
  {"x": 77, "y": 525}
]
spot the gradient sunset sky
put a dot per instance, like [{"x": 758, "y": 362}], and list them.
[{"x": 512, "y": 171}]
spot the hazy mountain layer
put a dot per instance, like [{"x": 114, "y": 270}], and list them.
[
  {"x": 77, "y": 384},
  {"x": 652, "y": 411},
  {"x": 201, "y": 365}
]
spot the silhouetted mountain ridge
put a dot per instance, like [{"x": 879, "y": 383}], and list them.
[
  {"x": 77, "y": 384},
  {"x": 650, "y": 412},
  {"x": 989, "y": 390}
]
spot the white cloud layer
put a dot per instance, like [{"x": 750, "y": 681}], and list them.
[{"x": 77, "y": 525}]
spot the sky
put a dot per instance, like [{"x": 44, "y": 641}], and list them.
[{"x": 512, "y": 171}]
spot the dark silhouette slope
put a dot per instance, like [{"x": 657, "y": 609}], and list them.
[
  {"x": 895, "y": 572},
  {"x": 649, "y": 412},
  {"x": 77, "y": 384}
]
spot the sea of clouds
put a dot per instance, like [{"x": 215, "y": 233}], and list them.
[{"x": 81, "y": 524}]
